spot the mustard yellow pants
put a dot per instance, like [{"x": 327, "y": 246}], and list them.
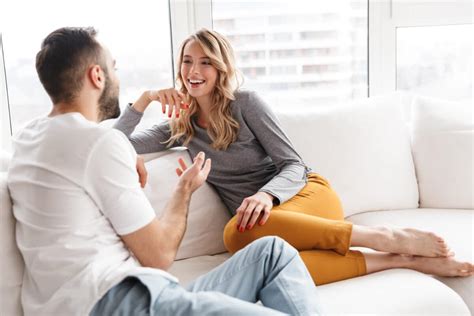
[{"x": 312, "y": 222}]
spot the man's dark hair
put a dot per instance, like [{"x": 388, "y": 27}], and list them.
[{"x": 63, "y": 59}]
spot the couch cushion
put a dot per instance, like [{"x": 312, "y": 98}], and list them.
[
  {"x": 443, "y": 150},
  {"x": 363, "y": 149},
  {"x": 393, "y": 292},
  {"x": 207, "y": 214},
  {"x": 404, "y": 292},
  {"x": 12, "y": 264},
  {"x": 456, "y": 226}
]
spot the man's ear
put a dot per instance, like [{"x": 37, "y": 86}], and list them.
[{"x": 96, "y": 76}]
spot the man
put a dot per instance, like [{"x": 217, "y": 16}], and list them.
[{"x": 81, "y": 213}]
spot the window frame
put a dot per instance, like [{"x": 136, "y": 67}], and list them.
[{"x": 385, "y": 16}]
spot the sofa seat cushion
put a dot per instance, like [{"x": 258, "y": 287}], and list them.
[
  {"x": 392, "y": 292},
  {"x": 404, "y": 291},
  {"x": 455, "y": 226}
]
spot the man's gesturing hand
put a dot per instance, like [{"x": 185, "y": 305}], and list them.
[{"x": 191, "y": 178}]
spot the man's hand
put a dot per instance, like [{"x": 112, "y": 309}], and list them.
[
  {"x": 142, "y": 173},
  {"x": 251, "y": 208},
  {"x": 193, "y": 177}
]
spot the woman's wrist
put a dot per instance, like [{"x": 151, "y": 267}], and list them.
[
  {"x": 271, "y": 197},
  {"x": 143, "y": 102}
]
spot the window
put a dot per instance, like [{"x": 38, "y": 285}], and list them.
[
  {"x": 4, "y": 111},
  {"x": 435, "y": 60},
  {"x": 301, "y": 52},
  {"x": 405, "y": 53},
  {"x": 139, "y": 41}
]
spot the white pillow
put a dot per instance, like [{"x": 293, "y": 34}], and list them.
[
  {"x": 12, "y": 264},
  {"x": 443, "y": 144},
  {"x": 363, "y": 149},
  {"x": 207, "y": 214}
]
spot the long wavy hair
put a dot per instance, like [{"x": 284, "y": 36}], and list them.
[{"x": 223, "y": 128}]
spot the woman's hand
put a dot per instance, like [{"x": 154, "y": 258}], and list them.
[
  {"x": 193, "y": 177},
  {"x": 171, "y": 101},
  {"x": 252, "y": 207}
]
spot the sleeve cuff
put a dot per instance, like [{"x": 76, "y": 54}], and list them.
[
  {"x": 131, "y": 109},
  {"x": 276, "y": 198}
]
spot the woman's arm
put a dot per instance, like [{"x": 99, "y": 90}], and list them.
[
  {"x": 292, "y": 171},
  {"x": 267, "y": 129},
  {"x": 153, "y": 139}
]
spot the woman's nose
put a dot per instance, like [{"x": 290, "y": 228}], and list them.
[{"x": 194, "y": 69}]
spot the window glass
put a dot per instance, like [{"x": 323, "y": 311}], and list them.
[
  {"x": 436, "y": 60},
  {"x": 300, "y": 52},
  {"x": 140, "y": 43}
]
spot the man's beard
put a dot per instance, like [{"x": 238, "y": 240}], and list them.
[{"x": 109, "y": 101}]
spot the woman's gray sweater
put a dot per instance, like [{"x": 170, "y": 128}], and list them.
[{"x": 261, "y": 159}]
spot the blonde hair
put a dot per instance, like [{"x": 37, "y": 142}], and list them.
[{"x": 223, "y": 128}]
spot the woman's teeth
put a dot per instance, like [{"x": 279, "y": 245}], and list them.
[{"x": 195, "y": 81}]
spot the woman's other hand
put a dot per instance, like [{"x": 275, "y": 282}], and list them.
[{"x": 252, "y": 208}]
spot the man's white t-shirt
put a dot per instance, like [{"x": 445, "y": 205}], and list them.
[{"x": 75, "y": 189}]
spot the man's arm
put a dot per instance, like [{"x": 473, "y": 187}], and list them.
[
  {"x": 156, "y": 244},
  {"x": 111, "y": 179}
]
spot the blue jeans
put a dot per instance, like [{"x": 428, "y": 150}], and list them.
[{"x": 267, "y": 270}]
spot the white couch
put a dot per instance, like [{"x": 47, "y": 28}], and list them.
[{"x": 391, "y": 163}]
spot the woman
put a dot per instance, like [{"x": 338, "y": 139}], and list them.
[{"x": 262, "y": 179}]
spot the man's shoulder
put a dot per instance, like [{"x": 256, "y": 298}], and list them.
[{"x": 69, "y": 135}]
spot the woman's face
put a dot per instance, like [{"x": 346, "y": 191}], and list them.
[{"x": 197, "y": 72}]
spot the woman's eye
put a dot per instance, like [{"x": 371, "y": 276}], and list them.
[
  {"x": 186, "y": 62},
  {"x": 206, "y": 63}
]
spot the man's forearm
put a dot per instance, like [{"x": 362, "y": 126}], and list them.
[{"x": 174, "y": 219}]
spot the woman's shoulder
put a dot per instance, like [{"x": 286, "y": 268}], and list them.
[
  {"x": 243, "y": 95},
  {"x": 246, "y": 100}
]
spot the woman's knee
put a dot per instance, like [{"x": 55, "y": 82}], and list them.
[
  {"x": 273, "y": 245},
  {"x": 231, "y": 240}
]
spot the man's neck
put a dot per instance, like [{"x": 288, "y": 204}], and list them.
[{"x": 87, "y": 111}]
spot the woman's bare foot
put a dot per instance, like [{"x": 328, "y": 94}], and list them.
[
  {"x": 446, "y": 266},
  {"x": 415, "y": 242},
  {"x": 401, "y": 241}
]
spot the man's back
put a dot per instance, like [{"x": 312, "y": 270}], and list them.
[{"x": 74, "y": 188}]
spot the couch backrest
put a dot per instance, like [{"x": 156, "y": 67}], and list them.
[
  {"x": 12, "y": 264},
  {"x": 362, "y": 148},
  {"x": 443, "y": 151},
  {"x": 207, "y": 213},
  {"x": 4, "y": 160}
]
